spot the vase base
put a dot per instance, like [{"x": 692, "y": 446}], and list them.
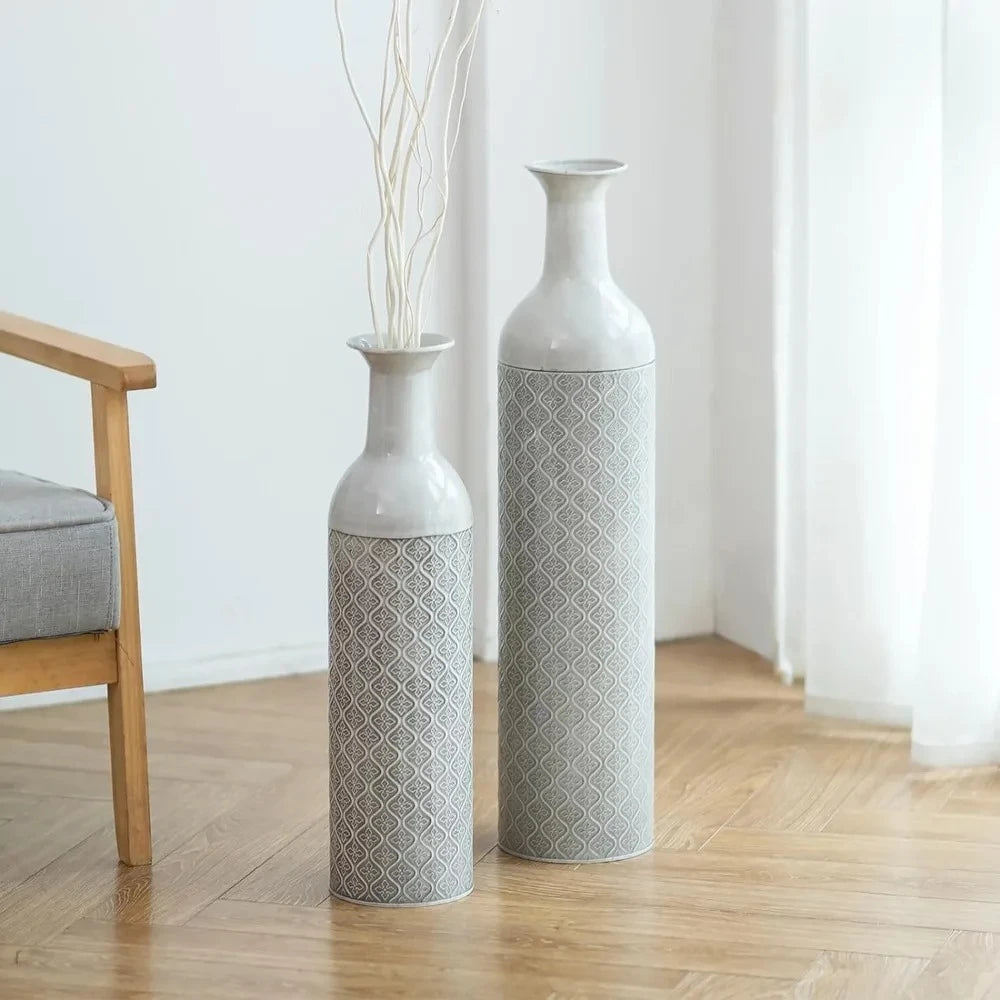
[
  {"x": 577, "y": 861},
  {"x": 401, "y": 906}
]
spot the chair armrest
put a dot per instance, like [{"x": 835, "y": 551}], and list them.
[{"x": 94, "y": 360}]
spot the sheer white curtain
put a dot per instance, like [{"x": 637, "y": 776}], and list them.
[{"x": 886, "y": 365}]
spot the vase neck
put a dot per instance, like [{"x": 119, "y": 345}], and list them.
[
  {"x": 400, "y": 404},
  {"x": 576, "y": 236}
]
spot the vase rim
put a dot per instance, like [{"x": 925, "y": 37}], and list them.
[
  {"x": 578, "y": 168},
  {"x": 430, "y": 343}
]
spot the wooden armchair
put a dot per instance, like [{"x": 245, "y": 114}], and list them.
[{"x": 42, "y": 523}]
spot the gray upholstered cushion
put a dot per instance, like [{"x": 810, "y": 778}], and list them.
[{"x": 58, "y": 560}]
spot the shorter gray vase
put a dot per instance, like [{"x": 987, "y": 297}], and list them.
[{"x": 400, "y": 559}]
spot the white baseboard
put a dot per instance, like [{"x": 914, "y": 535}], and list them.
[{"x": 281, "y": 661}]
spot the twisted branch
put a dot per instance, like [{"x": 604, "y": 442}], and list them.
[{"x": 401, "y": 140}]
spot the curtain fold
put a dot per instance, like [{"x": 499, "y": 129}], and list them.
[
  {"x": 888, "y": 423},
  {"x": 956, "y": 717}
]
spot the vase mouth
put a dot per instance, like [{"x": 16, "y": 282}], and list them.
[
  {"x": 578, "y": 168},
  {"x": 430, "y": 343}
]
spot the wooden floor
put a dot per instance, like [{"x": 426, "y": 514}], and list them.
[{"x": 795, "y": 857}]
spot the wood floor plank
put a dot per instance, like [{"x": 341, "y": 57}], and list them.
[
  {"x": 89, "y": 715},
  {"x": 246, "y": 747},
  {"x": 281, "y": 697},
  {"x": 706, "y": 782},
  {"x": 348, "y": 957},
  {"x": 60, "y": 893},
  {"x": 82, "y": 736},
  {"x": 808, "y": 789},
  {"x": 818, "y": 875},
  {"x": 189, "y": 767},
  {"x": 901, "y": 785},
  {"x": 843, "y": 976},
  {"x": 795, "y": 729},
  {"x": 15, "y": 803},
  {"x": 298, "y": 874},
  {"x": 234, "y": 723},
  {"x": 966, "y": 967},
  {"x": 119, "y": 971},
  {"x": 451, "y": 930},
  {"x": 713, "y": 986},
  {"x": 219, "y": 855},
  {"x": 918, "y": 825},
  {"x": 863, "y": 922},
  {"x": 798, "y": 856},
  {"x": 125, "y": 974},
  {"x": 961, "y": 805},
  {"x": 973, "y": 783},
  {"x": 934, "y": 855},
  {"x": 29, "y": 842},
  {"x": 34, "y": 780},
  {"x": 684, "y": 675}
]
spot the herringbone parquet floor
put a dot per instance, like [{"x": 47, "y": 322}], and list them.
[{"x": 795, "y": 857}]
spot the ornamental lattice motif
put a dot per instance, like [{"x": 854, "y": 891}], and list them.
[
  {"x": 401, "y": 718},
  {"x": 576, "y": 631}
]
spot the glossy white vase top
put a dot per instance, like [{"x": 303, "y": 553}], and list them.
[
  {"x": 576, "y": 318},
  {"x": 400, "y": 486}
]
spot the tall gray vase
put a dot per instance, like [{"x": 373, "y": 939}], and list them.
[
  {"x": 400, "y": 549},
  {"x": 576, "y": 426}
]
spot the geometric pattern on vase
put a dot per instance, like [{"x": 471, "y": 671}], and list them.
[
  {"x": 400, "y": 718},
  {"x": 575, "y": 615}
]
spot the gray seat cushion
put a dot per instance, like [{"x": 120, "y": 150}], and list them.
[{"x": 58, "y": 560}]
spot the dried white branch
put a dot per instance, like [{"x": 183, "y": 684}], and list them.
[
  {"x": 405, "y": 164},
  {"x": 437, "y": 228}
]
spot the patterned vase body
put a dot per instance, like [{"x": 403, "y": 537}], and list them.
[
  {"x": 576, "y": 426},
  {"x": 400, "y": 652}
]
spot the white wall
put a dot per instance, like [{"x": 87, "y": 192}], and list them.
[
  {"x": 190, "y": 178},
  {"x": 743, "y": 440}
]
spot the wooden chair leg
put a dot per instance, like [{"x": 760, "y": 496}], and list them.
[
  {"x": 126, "y": 704},
  {"x": 129, "y": 780}
]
